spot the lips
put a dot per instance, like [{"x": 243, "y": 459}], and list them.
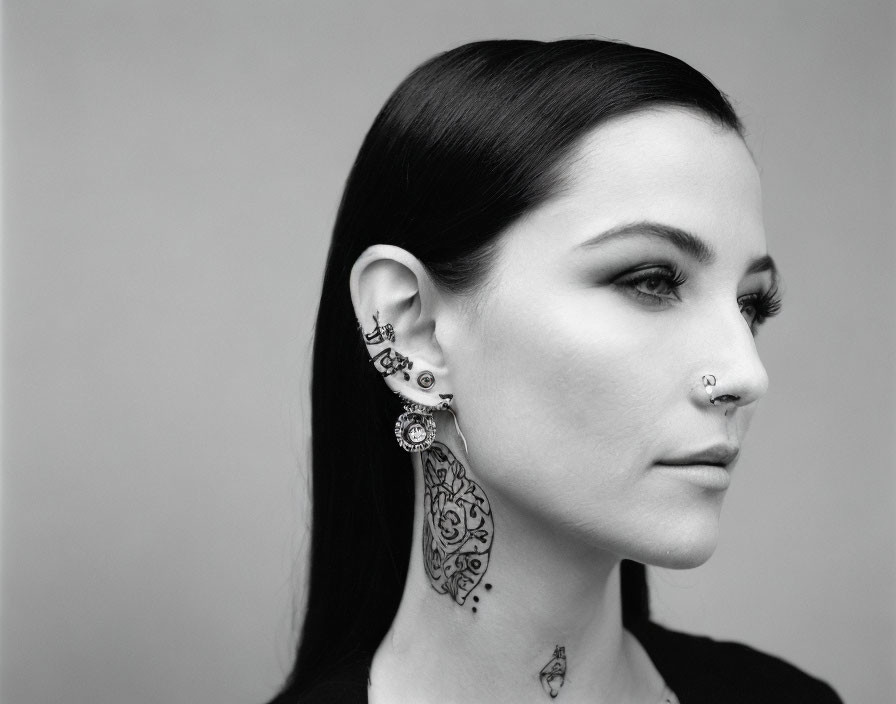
[{"x": 717, "y": 455}]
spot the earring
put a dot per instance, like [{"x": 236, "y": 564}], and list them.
[
  {"x": 380, "y": 333},
  {"x": 389, "y": 362},
  {"x": 415, "y": 429}
]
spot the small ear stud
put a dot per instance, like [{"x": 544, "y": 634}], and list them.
[{"x": 426, "y": 380}]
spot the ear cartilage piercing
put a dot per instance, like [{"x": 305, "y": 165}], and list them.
[
  {"x": 389, "y": 362},
  {"x": 426, "y": 380},
  {"x": 380, "y": 333}
]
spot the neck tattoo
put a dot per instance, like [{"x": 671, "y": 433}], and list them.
[
  {"x": 457, "y": 526},
  {"x": 553, "y": 674}
]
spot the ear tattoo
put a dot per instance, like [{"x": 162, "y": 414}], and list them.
[
  {"x": 380, "y": 333},
  {"x": 457, "y": 525},
  {"x": 553, "y": 674}
]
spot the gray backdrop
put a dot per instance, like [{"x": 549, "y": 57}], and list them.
[{"x": 172, "y": 170}]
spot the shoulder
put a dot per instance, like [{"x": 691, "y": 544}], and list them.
[{"x": 701, "y": 669}]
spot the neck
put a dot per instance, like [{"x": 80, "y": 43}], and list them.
[{"x": 495, "y": 633}]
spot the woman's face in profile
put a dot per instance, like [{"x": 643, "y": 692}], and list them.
[{"x": 579, "y": 375}]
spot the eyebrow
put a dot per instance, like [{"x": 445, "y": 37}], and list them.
[{"x": 686, "y": 241}]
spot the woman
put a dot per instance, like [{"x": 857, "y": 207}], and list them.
[{"x": 549, "y": 264}]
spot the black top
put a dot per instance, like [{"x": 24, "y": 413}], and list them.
[{"x": 699, "y": 670}]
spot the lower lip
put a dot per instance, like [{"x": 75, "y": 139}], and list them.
[{"x": 708, "y": 476}]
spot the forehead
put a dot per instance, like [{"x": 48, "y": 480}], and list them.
[{"x": 667, "y": 165}]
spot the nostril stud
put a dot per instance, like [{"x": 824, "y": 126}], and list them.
[{"x": 709, "y": 382}]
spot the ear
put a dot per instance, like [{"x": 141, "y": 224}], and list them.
[{"x": 397, "y": 305}]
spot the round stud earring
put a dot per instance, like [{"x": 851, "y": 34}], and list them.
[{"x": 426, "y": 380}]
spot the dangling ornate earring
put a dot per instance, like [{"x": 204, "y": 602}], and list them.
[{"x": 415, "y": 429}]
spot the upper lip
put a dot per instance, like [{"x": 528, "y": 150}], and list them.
[{"x": 720, "y": 455}]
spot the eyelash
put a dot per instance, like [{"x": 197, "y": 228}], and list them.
[{"x": 767, "y": 304}]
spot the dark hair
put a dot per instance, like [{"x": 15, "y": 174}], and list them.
[{"x": 470, "y": 141}]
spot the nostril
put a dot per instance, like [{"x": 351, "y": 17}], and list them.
[{"x": 725, "y": 398}]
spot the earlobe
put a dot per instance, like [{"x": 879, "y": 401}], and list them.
[{"x": 397, "y": 304}]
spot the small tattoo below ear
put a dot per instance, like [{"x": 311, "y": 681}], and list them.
[
  {"x": 380, "y": 333},
  {"x": 553, "y": 674},
  {"x": 388, "y": 363}
]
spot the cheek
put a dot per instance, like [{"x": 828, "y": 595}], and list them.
[{"x": 560, "y": 389}]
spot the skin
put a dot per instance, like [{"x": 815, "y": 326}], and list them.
[{"x": 571, "y": 382}]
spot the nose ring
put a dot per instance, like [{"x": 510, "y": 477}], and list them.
[{"x": 709, "y": 381}]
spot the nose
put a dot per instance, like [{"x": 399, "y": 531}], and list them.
[{"x": 732, "y": 372}]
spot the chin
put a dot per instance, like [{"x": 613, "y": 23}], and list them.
[
  {"x": 683, "y": 558},
  {"x": 682, "y": 547}
]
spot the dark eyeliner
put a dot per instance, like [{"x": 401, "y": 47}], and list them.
[{"x": 669, "y": 276}]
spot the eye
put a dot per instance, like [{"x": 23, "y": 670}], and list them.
[
  {"x": 759, "y": 307},
  {"x": 656, "y": 286},
  {"x": 748, "y": 307}
]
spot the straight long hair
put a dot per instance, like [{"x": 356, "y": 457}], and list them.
[{"x": 470, "y": 141}]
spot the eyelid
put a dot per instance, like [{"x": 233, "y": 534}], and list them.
[
  {"x": 670, "y": 275},
  {"x": 643, "y": 270}
]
